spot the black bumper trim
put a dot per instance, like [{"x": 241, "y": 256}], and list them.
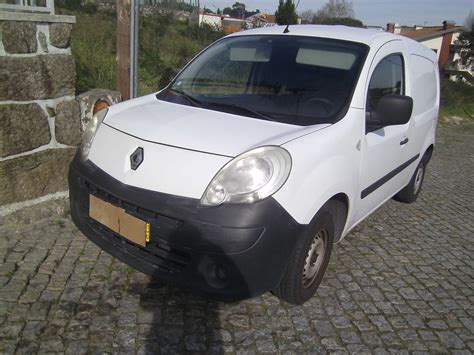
[{"x": 229, "y": 252}]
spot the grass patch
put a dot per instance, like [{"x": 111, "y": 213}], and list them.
[{"x": 457, "y": 99}]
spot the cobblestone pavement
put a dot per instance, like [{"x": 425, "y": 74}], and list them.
[{"x": 402, "y": 281}]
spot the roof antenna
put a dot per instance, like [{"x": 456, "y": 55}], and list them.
[{"x": 287, "y": 29}]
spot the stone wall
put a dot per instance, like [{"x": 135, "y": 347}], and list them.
[{"x": 39, "y": 116}]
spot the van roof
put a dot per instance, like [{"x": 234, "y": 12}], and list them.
[
  {"x": 353, "y": 34},
  {"x": 347, "y": 33}
]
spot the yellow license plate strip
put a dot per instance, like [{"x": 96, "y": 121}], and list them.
[{"x": 116, "y": 219}]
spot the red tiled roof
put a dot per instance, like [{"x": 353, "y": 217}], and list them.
[
  {"x": 412, "y": 33},
  {"x": 436, "y": 31}
]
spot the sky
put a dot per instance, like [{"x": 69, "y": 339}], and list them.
[{"x": 376, "y": 12}]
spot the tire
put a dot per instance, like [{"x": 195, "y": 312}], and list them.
[
  {"x": 306, "y": 266},
  {"x": 410, "y": 193}
]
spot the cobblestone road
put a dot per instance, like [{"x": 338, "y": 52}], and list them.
[{"x": 402, "y": 281}]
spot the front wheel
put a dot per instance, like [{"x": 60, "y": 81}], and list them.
[{"x": 308, "y": 262}]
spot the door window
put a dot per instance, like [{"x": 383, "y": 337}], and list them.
[{"x": 387, "y": 79}]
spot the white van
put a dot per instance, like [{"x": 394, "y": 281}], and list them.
[{"x": 264, "y": 151}]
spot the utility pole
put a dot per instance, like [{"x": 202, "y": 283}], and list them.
[
  {"x": 199, "y": 13},
  {"x": 123, "y": 48},
  {"x": 134, "y": 49}
]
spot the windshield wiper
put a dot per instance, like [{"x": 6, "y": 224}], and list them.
[
  {"x": 189, "y": 98},
  {"x": 256, "y": 113}
]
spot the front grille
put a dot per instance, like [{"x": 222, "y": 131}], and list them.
[
  {"x": 137, "y": 211},
  {"x": 159, "y": 253},
  {"x": 164, "y": 258}
]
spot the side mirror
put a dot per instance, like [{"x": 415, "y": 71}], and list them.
[{"x": 391, "y": 110}]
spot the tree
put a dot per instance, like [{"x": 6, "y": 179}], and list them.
[
  {"x": 286, "y": 13},
  {"x": 346, "y": 21},
  {"x": 464, "y": 45},
  {"x": 307, "y": 16},
  {"x": 237, "y": 10},
  {"x": 335, "y": 9}
]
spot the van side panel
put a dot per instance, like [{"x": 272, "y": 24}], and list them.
[
  {"x": 325, "y": 163},
  {"x": 425, "y": 92},
  {"x": 424, "y": 85},
  {"x": 328, "y": 163}
]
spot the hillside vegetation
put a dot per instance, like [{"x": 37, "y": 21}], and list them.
[
  {"x": 93, "y": 45},
  {"x": 165, "y": 46}
]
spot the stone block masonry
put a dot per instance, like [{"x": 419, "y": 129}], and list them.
[
  {"x": 40, "y": 123},
  {"x": 34, "y": 175},
  {"x": 37, "y": 77}
]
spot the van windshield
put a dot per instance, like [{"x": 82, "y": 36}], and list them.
[{"x": 289, "y": 79}]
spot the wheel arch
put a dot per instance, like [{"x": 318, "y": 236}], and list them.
[
  {"x": 428, "y": 152},
  {"x": 338, "y": 206}
]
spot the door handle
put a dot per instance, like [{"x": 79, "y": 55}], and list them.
[{"x": 404, "y": 141}]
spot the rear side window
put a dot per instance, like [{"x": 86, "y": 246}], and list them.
[{"x": 387, "y": 79}]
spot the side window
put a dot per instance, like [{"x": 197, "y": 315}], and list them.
[{"x": 388, "y": 78}]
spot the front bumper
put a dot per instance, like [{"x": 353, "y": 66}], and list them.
[{"x": 228, "y": 252}]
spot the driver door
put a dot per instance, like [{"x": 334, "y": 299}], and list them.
[{"x": 383, "y": 147}]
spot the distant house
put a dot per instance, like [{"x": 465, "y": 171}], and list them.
[
  {"x": 440, "y": 39},
  {"x": 211, "y": 19},
  {"x": 231, "y": 24},
  {"x": 223, "y": 22},
  {"x": 261, "y": 19}
]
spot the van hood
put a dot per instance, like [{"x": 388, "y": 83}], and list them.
[{"x": 198, "y": 129}]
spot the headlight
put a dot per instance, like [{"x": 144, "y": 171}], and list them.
[
  {"x": 250, "y": 177},
  {"x": 89, "y": 132}
]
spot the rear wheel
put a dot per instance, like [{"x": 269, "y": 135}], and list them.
[
  {"x": 308, "y": 262},
  {"x": 410, "y": 192}
]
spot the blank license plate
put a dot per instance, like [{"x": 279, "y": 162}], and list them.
[{"x": 118, "y": 220}]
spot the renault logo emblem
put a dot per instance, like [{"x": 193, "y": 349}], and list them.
[{"x": 136, "y": 158}]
